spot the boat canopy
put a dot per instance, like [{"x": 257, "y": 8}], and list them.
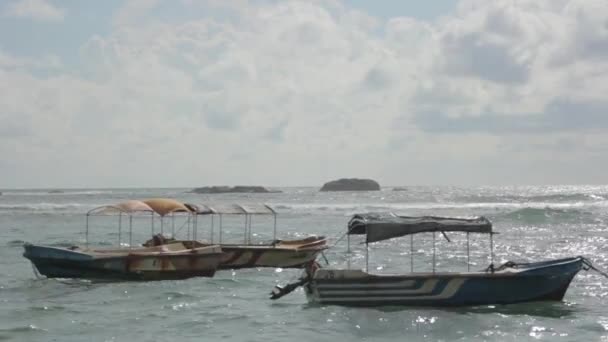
[
  {"x": 379, "y": 226},
  {"x": 232, "y": 209},
  {"x": 164, "y": 206},
  {"x": 128, "y": 207}
]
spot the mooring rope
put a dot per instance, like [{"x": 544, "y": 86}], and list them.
[
  {"x": 590, "y": 265},
  {"x": 337, "y": 241}
]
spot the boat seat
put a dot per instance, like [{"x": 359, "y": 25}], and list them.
[{"x": 172, "y": 247}]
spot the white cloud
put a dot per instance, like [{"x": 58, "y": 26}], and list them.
[
  {"x": 132, "y": 11},
  {"x": 296, "y": 92},
  {"x": 34, "y": 9}
]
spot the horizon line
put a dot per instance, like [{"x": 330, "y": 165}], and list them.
[{"x": 295, "y": 186}]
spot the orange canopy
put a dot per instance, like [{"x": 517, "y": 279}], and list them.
[
  {"x": 128, "y": 207},
  {"x": 164, "y": 206}
]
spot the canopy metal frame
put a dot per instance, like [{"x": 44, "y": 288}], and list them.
[
  {"x": 434, "y": 262},
  {"x": 98, "y": 211},
  {"x": 106, "y": 210},
  {"x": 189, "y": 223},
  {"x": 248, "y": 211},
  {"x": 235, "y": 209}
]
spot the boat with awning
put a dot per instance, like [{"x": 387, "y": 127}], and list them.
[
  {"x": 505, "y": 284},
  {"x": 170, "y": 261},
  {"x": 248, "y": 253}
]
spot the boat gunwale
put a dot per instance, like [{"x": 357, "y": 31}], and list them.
[
  {"x": 507, "y": 272},
  {"x": 115, "y": 253}
]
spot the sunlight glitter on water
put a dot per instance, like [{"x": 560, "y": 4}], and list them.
[{"x": 234, "y": 306}]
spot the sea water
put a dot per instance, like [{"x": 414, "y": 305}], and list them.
[{"x": 535, "y": 223}]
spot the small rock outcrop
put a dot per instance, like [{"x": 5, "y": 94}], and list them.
[
  {"x": 232, "y": 189},
  {"x": 351, "y": 184}
]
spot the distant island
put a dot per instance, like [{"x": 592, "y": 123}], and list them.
[
  {"x": 400, "y": 188},
  {"x": 231, "y": 189},
  {"x": 351, "y": 184},
  {"x": 55, "y": 191}
]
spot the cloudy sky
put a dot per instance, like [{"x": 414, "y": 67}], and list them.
[{"x": 278, "y": 93}]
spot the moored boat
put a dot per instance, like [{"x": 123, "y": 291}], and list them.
[
  {"x": 507, "y": 284},
  {"x": 248, "y": 254},
  {"x": 172, "y": 261},
  {"x": 280, "y": 254},
  {"x": 538, "y": 281}
]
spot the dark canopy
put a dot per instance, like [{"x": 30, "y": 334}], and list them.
[{"x": 380, "y": 227}]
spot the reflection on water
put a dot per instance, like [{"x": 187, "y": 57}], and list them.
[{"x": 541, "y": 309}]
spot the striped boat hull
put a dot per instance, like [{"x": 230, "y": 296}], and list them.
[
  {"x": 283, "y": 253},
  {"x": 535, "y": 282},
  {"x": 237, "y": 257}
]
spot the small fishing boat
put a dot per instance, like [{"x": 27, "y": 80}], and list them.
[
  {"x": 171, "y": 261},
  {"x": 506, "y": 284},
  {"x": 248, "y": 254}
]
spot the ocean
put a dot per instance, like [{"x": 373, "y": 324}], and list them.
[{"x": 534, "y": 222}]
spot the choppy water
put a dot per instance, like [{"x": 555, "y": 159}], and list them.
[{"x": 535, "y": 223}]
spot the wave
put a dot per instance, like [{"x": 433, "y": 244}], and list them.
[
  {"x": 42, "y": 207},
  {"x": 338, "y": 208},
  {"x": 170, "y": 295},
  {"x": 551, "y": 198},
  {"x": 544, "y": 215},
  {"x": 360, "y": 207},
  {"x": 15, "y": 243},
  {"x": 46, "y": 208},
  {"x": 22, "y": 328},
  {"x": 569, "y": 197}
]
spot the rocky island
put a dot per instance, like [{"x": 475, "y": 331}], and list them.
[
  {"x": 351, "y": 184},
  {"x": 232, "y": 189}
]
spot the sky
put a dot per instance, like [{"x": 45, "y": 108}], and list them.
[{"x": 184, "y": 93}]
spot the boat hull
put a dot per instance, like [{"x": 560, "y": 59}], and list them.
[
  {"x": 54, "y": 262},
  {"x": 541, "y": 281},
  {"x": 283, "y": 253},
  {"x": 238, "y": 257}
]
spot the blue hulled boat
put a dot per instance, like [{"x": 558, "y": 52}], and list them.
[
  {"x": 506, "y": 284},
  {"x": 171, "y": 261},
  {"x": 546, "y": 280},
  {"x": 174, "y": 261}
]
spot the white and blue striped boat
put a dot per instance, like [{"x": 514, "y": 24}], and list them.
[
  {"x": 507, "y": 284},
  {"x": 547, "y": 280}
]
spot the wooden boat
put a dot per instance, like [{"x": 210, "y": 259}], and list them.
[
  {"x": 276, "y": 253},
  {"x": 282, "y": 254},
  {"x": 507, "y": 284},
  {"x": 175, "y": 261},
  {"x": 171, "y": 261}
]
